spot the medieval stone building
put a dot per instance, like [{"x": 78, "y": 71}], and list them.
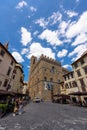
[{"x": 44, "y": 78}]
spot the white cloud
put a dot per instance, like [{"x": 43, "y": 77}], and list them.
[
  {"x": 78, "y": 27},
  {"x": 28, "y": 16},
  {"x": 25, "y": 36},
  {"x": 21, "y": 4},
  {"x": 78, "y": 51},
  {"x": 42, "y": 22},
  {"x": 71, "y": 13},
  {"x": 35, "y": 33},
  {"x": 18, "y": 57},
  {"x": 62, "y": 53},
  {"x": 24, "y": 51},
  {"x": 54, "y": 18},
  {"x": 66, "y": 40},
  {"x": 28, "y": 67},
  {"x": 51, "y": 20},
  {"x": 67, "y": 66},
  {"x": 73, "y": 59},
  {"x": 80, "y": 39},
  {"x": 33, "y": 9},
  {"x": 51, "y": 37},
  {"x": 63, "y": 26},
  {"x": 77, "y": 0},
  {"x": 36, "y": 49}
]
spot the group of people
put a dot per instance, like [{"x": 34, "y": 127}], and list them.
[
  {"x": 13, "y": 104},
  {"x": 18, "y": 106}
]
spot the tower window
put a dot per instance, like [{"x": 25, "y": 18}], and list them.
[
  {"x": 51, "y": 79},
  {"x": 45, "y": 78},
  {"x": 33, "y": 61},
  {"x": 52, "y": 70}
]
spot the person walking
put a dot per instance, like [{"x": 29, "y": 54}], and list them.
[
  {"x": 16, "y": 107},
  {"x": 20, "y": 111}
]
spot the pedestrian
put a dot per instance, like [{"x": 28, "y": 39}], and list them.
[
  {"x": 20, "y": 111},
  {"x": 15, "y": 111},
  {"x": 16, "y": 107}
]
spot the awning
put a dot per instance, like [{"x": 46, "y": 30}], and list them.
[
  {"x": 78, "y": 93},
  {"x": 4, "y": 92},
  {"x": 62, "y": 95},
  {"x": 11, "y": 93}
]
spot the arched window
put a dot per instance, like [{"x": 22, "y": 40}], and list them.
[
  {"x": 51, "y": 79},
  {"x": 45, "y": 78},
  {"x": 66, "y": 86},
  {"x": 52, "y": 70},
  {"x": 33, "y": 61}
]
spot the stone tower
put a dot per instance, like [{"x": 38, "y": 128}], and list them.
[
  {"x": 33, "y": 63},
  {"x": 44, "y": 78}
]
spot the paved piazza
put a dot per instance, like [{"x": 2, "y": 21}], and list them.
[{"x": 47, "y": 116}]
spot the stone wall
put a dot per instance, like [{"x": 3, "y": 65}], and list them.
[{"x": 45, "y": 73}]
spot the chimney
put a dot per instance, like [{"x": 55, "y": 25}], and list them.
[{"x": 6, "y": 45}]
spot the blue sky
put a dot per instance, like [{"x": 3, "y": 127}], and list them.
[{"x": 55, "y": 28}]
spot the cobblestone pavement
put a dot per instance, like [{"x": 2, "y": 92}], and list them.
[{"x": 47, "y": 116}]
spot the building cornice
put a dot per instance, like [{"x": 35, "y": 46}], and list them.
[
  {"x": 7, "y": 52},
  {"x": 83, "y": 55}
]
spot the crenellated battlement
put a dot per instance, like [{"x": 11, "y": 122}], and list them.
[
  {"x": 49, "y": 59},
  {"x": 44, "y": 57},
  {"x": 35, "y": 62}
]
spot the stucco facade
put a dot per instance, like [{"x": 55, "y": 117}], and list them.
[
  {"x": 7, "y": 64},
  {"x": 76, "y": 81},
  {"x": 18, "y": 78},
  {"x": 80, "y": 72},
  {"x": 9, "y": 79},
  {"x": 70, "y": 84}
]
